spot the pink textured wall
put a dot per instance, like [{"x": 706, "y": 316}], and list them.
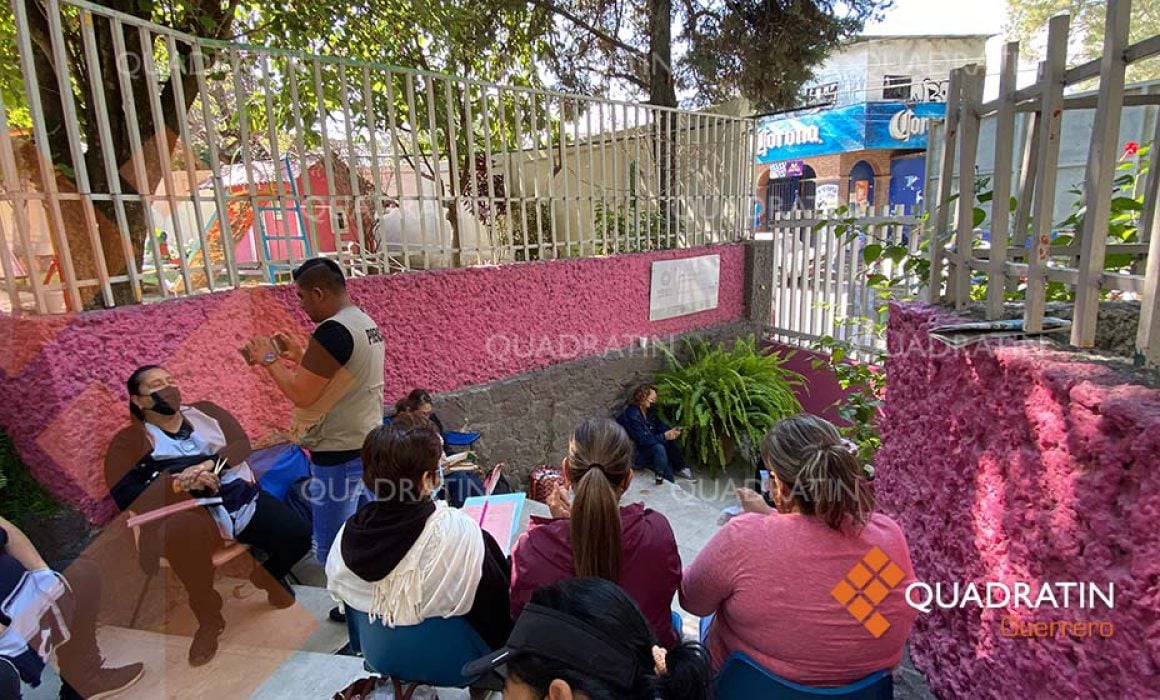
[
  {"x": 63, "y": 394},
  {"x": 821, "y": 392},
  {"x": 1014, "y": 463}
]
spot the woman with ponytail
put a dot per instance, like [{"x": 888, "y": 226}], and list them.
[
  {"x": 814, "y": 589},
  {"x": 593, "y": 535},
  {"x": 585, "y": 639}
]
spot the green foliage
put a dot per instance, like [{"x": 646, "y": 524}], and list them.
[
  {"x": 529, "y": 234},
  {"x": 722, "y": 394},
  {"x": 1027, "y": 20},
  {"x": 22, "y": 499},
  {"x": 864, "y": 383},
  {"x": 630, "y": 228}
]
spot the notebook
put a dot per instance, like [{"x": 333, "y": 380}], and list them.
[{"x": 500, "y": 516}]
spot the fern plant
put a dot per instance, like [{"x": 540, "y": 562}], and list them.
[{"x": 725, "y": 396}]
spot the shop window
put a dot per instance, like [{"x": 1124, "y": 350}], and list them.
[
  {"x": 861, "y": 192},
  {"x": 789, "y": 193},
  {"x": 896, "y": 87}
]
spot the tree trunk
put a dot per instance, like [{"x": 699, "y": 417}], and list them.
[{"x": 662, "y": 92}]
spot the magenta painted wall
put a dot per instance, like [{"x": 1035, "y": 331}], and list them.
[
  {"x": 1013, "y": 463},
  {"x": 63, "y": 394},
  {"x": 821, "y": 392}
]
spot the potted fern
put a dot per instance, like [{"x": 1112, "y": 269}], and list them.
[{"x": 725, "y": 397}]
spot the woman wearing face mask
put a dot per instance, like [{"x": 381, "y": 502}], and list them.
[
  {"x": 404, "y": 558},
  {"x": 172, "y": 451}
]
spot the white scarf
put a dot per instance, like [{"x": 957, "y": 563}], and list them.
[{"x": 438, "y": 577}]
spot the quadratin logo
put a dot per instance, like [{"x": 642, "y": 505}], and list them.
[{"x": 865, "y": 586}]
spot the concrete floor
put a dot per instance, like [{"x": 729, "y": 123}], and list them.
[{"x": 272, "y": 654}]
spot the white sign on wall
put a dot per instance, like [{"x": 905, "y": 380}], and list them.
[{"x": 685, "y": 286}]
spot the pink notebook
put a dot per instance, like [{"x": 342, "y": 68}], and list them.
[{"x": 500, "y": 516}]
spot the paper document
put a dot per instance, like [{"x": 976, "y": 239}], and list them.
[{"x": 500, "y": 515}]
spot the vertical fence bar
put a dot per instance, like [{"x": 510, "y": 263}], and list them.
[
  {"x": 128, "y": 105},
  {"x": 521, "y": 150},
  {"x": 453, "y": 163},
  {"x": 945, "y": 182},
  {"x": 332, "y": 200},
  {"x": 828, "y": 289},
  {"x": 442, "y": 210},
  {"x": 189, "y": 158},
  {"x": 840, "y": 280},
  {"x": 105, "y": 137},
  {"x": 81, "y": 172},
  {"x": 493, "y": 211},
  {"x": 47, "y": 172},
  {"x": 635, "y": 184},
  {"x": 564, "y": 179},
  {"x": 11, "y": 180},
  {"x": 592, "y": 178},
  {"x": 603, "y": 181},
  {"x": 280, "y": 189},
  {"x": 1028, "y": 174},
  {"x": 371, "y": 124},
  {"x": 1050, "y": 118},
  {"x": 416, "y": 167},
  {"x": 972, "y": 96},
  {"x": 303, "y": 159},
  {"x": 551, "y": 161},
  {"x": 1148, "y": 331},
  {"x": 580, "y": 229},
  {"x": 1101, "y": 173},
  {"x": 225, "y": 226},
  {"x": 396, "y": 164},
  {"x": 817, "y": 309},
  {"x": 161, "y": 139},
  {"x": 621, "y": 244},
  {"x": 258, "y": 218},
  {"x": 1001, "y": 180},
  {"x": 352, "y": 166},
  {"x": 509, "y": 217}
]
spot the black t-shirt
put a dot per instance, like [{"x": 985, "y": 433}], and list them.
[
  {"x": 10, "y": 573},
  {"x": 331, "y": 350}
]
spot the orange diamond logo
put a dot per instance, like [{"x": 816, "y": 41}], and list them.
[{"x": 865, "y": 586}]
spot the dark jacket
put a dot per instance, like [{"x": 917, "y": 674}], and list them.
[
  {"x": 645, "y": 430},
  {"x": 650, "y": 565}
]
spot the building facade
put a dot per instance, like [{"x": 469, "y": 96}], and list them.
[{"x": 860, "y": 137}]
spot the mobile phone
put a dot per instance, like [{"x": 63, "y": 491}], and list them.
[{"x": 763, "y": 474}]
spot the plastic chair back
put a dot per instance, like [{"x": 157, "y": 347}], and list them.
[
  {"x": 742, "y": 678},
  {"x": 432, "y": 652}
]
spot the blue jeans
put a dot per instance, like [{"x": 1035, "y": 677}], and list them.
[
  {"x": 335, "y": 493},
  {"x": 665, "y": 459}
]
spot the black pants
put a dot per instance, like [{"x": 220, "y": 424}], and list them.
[{"x": 191, "y": 538}]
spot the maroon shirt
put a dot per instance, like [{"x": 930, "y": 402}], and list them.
[{"x": 650, "y": 565}]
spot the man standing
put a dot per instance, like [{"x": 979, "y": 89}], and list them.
[{"x": 336, "y": 385}]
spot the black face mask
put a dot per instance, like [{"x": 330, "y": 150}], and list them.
[{"x": 166, "y": 401}]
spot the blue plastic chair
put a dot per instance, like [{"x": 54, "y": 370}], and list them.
[
  {"x": 278, "y": 467},
  {"x": 451, "y": 438},
  {"x": 742, "y": 678},
  {"x": 432, "y": 652}
]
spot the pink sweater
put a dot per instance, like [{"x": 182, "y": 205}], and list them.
[{"x": 769, "y": 580}]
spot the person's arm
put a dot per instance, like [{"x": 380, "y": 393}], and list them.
[
  {"x": 524, "y": 579},
  {"x": 21, "y": 548},
  {"x": 125, "y": 482},
  {"x": 708, "y": 581},
  {"x": 637, "y": 427},
  {"x": 328, "y": 350},
  {"x": 489, "y": 611}
]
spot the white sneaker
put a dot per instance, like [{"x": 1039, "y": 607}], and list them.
[{"x": 686, "y": 474}]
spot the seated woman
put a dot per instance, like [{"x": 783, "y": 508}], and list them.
[
  {"x": 773, "y": 577},
  {"x": 168, "y": 453},
  {"x": 585, "y": 638},
  {"x": 404, "y": 558},
  {"x": 595, "y": 536},
  {"x": 655, "y": 441},
  {"x": 419, "y": 402},
  {"x": 39, "y": 606}
]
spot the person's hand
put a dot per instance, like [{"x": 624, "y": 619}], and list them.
[
  {"x": 261, "y": 350},
  {"x": 292, "y": 348},
  {"x": 199, "y": 476},
  {"x": 672, "y": 433},
  {"x": 558, "y": 502},
  {"x": 752, "y": 502}
]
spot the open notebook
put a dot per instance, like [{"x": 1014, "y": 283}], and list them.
[{"x": 499, "y": 515}]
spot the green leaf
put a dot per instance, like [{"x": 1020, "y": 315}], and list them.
[
  {"x": 871, "y": 253},
  {"x": 985, "y": 197},
  {"x": 980, "y": 215}
]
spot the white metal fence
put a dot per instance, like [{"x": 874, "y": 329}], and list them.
[
  {"x": 157, "y": 163},
  {"x": 823, "y": 285},
  {"x": 1026, "y": 255}
]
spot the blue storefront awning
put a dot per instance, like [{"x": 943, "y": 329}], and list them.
[{"x": 891, "y": 125}]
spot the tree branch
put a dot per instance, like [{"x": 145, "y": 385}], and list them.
[{"x": 598, "y": 33}]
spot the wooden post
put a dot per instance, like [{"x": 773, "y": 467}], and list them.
[
  {"x": 1148, "y": 333},
  {"x": 1101, "y": 171},
  {"x": 946, "y": 175},
  {"x": 1050, "y": 116},
  {"x": 972, "y": 97},
  {"x": 1001, "y": 181}
]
